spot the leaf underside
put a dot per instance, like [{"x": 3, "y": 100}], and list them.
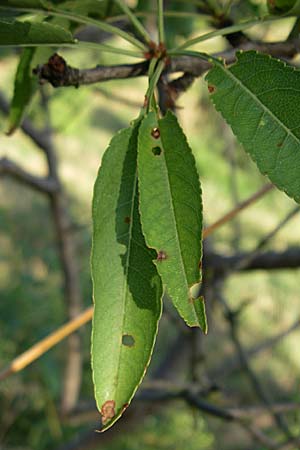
[
  {"x": 171, "y": 212},
  {"x": 33, "y": 33},
  {"x": 23, "y": 89},
  {"x": 127, "y": 288},
  {"x": 259, "y": 97},
  {"x": 26, "y": 83},
  {"x": 97, "y": 9}
]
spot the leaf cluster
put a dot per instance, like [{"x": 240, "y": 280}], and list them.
[{"x": 147, "y": 206}]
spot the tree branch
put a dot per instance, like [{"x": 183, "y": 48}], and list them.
[
  {"x": 65, "y": 75},
  {"x": 67, "y": 254},
  {"x": 38, "y": 137},
  {"x": 68, "y": 259},
  {"x": 268, "y": 260},
  {"x": 231, "y": 365},
  {"x": 41, "y": 184}
]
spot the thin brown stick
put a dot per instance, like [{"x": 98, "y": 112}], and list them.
[
  {"x": 234, "y": 212},
  {"x": 48, "y": 342},
  {"x": 42, "y": 184}
]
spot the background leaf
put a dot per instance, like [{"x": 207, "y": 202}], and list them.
[
  {"x": 23, "y": 89},
  {"x": 258, "y": 96},
  {"x": 127, "y": 288},
  {"x": 91, "y": 8},
  {"x": 33, "y": 33},
  {"x": 26, "y": 83},
  {"x": 280, "y": 6},
  {"x": 96, "y": 9},
  {"x": 171, "y": 211}
]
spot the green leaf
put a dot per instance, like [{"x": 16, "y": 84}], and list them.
[
  {"x": 259, "y": 98},
  {"x": 127, "y": 287},
  {"x": 94, "y": 8},
  {"x": 26, "y": 84},
  {"x": 295, "y": 10},
  {"x": 280, "y": 6},
  {"x": 171, "y": 212},
  {"x": 22, "y": 3},
  {"x": 23, "y": 89},
  {"x": 91, "y": 8},
  {"x": 33, "y": 33}
]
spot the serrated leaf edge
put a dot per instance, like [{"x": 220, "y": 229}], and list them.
[{"x": 287, "y": 130}]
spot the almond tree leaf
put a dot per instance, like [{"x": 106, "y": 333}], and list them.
[
  {"x": 96, "y": 9},
  {"x": 23, "y": 89},
  {"x": 22, "y": 3},
  {"x": 259, "y": 97},
  {"x": 280, "y": 6},
  {"x": 26, "y": 83},
  {"x": 127, "y": 287},
  {"x": 91, "y": 8},
  {"x": 171, "y": 212},
  {"x": 33, "y": 33}
]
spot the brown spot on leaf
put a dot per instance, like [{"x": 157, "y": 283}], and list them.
[
  {"x": 211, "y": 88},
  {"x": 279, "y": 144},
  {"x": 156, "y": 151},
  {"x": 161, "y": 255},
  {"x": 108, "y": 411},
  {"x": 200, "y": 265},
  {"x": 128, "y": 340},
  {"x": 155, "y": 133},
  {"x": 127, "y": 219}
]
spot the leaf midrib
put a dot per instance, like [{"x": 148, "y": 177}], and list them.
[
  {"x": 165, "y": 168},
  {"x": 125, "y": 282}
]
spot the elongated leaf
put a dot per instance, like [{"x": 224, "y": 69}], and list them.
[
  {"x": 280, "y": 6},
  {"x": 98, "y": 9},
  {"x": 91, "y": 8},
  {"x": 127, "y": 288},
  {"x": 20, "y": 3},
  {"x": 23, "y": 91},
  {"x": 295, "y": 10},
  {"x": 259, "y": 98},
  {"x": 26, "y": 83},
  {"x": 171, "y": 211},
  {"x": 33, "y": 33}
]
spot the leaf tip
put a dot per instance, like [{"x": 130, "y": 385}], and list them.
[{"x": 107, "y": 411}]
